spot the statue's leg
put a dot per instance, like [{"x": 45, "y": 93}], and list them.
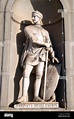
[
  {"x": 26, "y": 76},
  {"x": 39, "y": 73}
]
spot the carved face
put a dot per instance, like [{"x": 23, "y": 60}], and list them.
[{"x": 36, "y": 19}]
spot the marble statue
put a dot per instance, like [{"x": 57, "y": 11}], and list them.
[{"x": 38, "y": 43}]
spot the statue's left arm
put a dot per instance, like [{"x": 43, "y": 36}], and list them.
[{"x": 50, "y": 49}]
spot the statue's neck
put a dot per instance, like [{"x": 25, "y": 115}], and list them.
[{"x": 38, "y": 25}]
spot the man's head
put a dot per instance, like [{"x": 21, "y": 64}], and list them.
[
  {"x": 37, "y": 13},
  {"x": 36, "y": 16}
]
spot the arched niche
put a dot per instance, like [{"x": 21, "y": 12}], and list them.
[{"x": 52, "y": 20}]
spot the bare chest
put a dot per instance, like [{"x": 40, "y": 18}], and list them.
[{"x": 39, "y": 33}]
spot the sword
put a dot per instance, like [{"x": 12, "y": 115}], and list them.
[{"x": 45, "y": 76}]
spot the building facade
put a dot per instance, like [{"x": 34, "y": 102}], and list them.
[{"x": 12, "y": 12}]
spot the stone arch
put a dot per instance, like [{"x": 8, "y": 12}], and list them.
[
  {"x": 65, "y": 4},
  {"x": 6, "y": 69}
]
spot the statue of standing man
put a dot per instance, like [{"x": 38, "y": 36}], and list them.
[{"x": 34, "y": 54}]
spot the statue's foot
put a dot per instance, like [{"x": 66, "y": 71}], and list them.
[
  {"x": 38, "y": 99},
  {"x": 21, "y": 100}
]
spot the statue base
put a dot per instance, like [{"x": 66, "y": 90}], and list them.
[{"x": 37, "y": 105}]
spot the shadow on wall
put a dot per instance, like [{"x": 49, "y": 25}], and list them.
[{"x": 20, "y": 42}]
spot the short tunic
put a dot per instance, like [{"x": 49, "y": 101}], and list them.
[{"x": 35, "y": 55}]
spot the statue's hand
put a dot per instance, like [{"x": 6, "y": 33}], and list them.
[{"x": 55, "y": 59}]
